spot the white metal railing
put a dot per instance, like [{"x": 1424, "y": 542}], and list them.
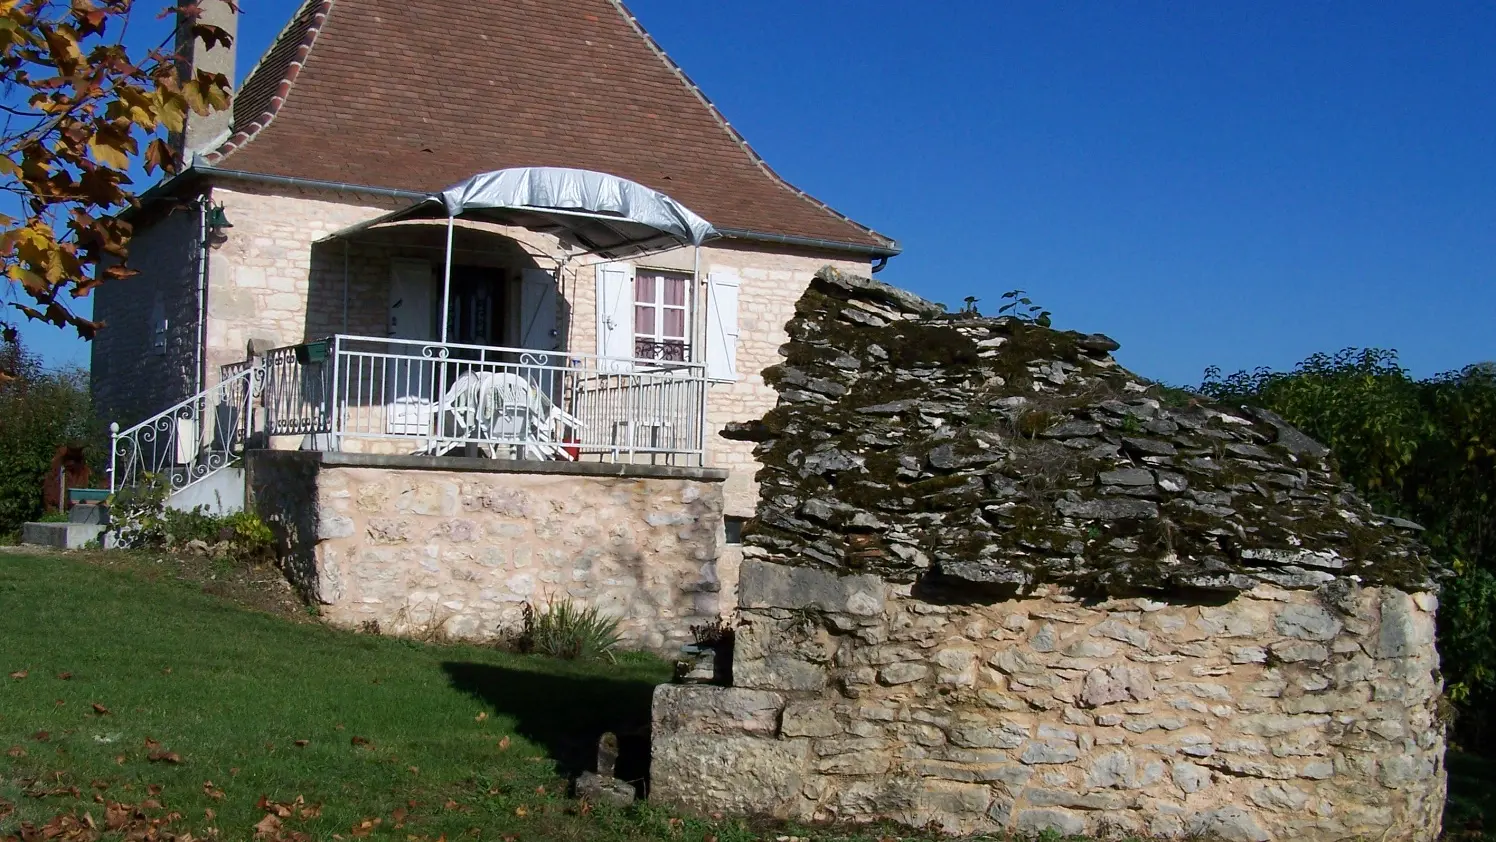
[
  {"x": 190, "y": 441},
  {"x": 434, "y": 398}
]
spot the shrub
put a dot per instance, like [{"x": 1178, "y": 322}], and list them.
[
  {"x": 563, "y": 629},
  {"x": 140, "y": 519},
  {"x": 40, "y": 410}
]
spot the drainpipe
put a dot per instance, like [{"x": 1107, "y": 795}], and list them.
[{"x": 199, "y": 373}]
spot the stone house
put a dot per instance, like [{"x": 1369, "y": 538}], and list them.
[{"x": 361, "y": 107}]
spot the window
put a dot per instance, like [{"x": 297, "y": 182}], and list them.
[
  {"x": 732, "y": 528},
  {"x": 158, "y": 326},
  {"x": 661, "y": 316}
]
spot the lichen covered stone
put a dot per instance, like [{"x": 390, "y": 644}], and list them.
[{"x": 980, "y": 453}]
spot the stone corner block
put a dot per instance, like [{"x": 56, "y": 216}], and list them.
[
  {"x": 734, "y": 774},
  {"x": 705, "y": 709},
  {"x": 763, "y": 584}
]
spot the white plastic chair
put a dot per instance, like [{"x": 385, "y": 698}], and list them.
[{"x": 500, "y": 408}]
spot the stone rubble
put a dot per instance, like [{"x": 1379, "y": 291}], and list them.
[{"x": 995, "y": 453}]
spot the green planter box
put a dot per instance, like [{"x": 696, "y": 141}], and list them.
[{"x": 311, "y": 353}]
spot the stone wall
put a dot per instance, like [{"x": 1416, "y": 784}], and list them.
[
  {"x": 1280, "y": 714},
  {"x": 132, "y": 376},
  {"x": 998, "y": 583},
  {"x": 463, "y": 544}
]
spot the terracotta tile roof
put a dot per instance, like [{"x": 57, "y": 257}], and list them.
[{"x": 420, "y": 94}]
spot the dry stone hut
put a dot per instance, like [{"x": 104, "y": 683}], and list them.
[{"x": 997, "y": 582}]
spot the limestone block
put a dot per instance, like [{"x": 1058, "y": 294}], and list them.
[
  {"x": 1064, "y": 822},
  {"x": 766, "y": 585},
  {"x": 686, "y": 771},
  {"x": 1232, "y": 824}
]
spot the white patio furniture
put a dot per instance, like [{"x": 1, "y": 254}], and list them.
[{"x": 499, "y": 408}]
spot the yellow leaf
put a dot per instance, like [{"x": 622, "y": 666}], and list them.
[
  {"x": 171, "y": 109},
  {"x": 108, "y": 154}
]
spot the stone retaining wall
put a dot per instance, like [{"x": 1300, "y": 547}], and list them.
[
  {"x": 1279, "y": 714},
  {"x": 462, "y": 544}
]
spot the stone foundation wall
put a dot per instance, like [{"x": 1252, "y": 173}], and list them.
[
  {"x": 1279, "y": 714},
  {"x": 411, "y": 542}
]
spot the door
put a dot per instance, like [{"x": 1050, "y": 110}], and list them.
[{"x": 408, "y": 375}]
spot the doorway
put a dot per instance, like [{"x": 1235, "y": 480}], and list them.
[{"x": 479, "y": 307}]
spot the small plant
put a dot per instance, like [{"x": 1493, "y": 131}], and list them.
[
  {"x": 1019, "y": 306},
  {"x": 969, "y": 307},
  {"x": 563, "y": 629},
  {"x": 140, "y": 519},
  {"x": 716, "y": 634}
]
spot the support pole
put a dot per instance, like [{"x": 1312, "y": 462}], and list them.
[
  {"x": 447, "y": 277},
  {"x": 702, "y": 325},
  {"x": 113, "y": 449}
]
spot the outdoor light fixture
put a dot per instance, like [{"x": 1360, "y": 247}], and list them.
[{"x": 217, "y": 219}]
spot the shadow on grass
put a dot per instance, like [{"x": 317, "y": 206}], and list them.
[
  {"x": 1470, "y": 812},
  {"x": 566, "y": 714}
]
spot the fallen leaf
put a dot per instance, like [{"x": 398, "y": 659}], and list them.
[
  {"x": 233, "y": 771},
  {"x": 151, "y": 744},
  {"x": 19, "y": 674},
  {"x": 360, "y": 741},
  {"x": 154, "y": 789},
  {"x": 398, "y": 817},
  {"x": 119, "y": 760},
  {"x": 16, "y": 751},
  {"x": 311, "y": 812},
  {"x": 675, "y": 824},
  {"x": 268, "y": 828},
  {"x": 6, "y": 808},
  {"x": 98, "y": 784},
  {"x": 165, "y": 757},
  {"x": 302, "y": 743},
  {"x": 540, "y": 790},
  {"x": 366, "y": 827},
  {"x": 338, "y": 727},
  {"x": 482, "y": 715},
  {"x": 521, "y": 812},
  {"x": 101, "y": 710},
  {"x": 116, "y": 815},
  {"x": 504, "y": 744},
  {"x": 64, "y": 676},
  {"x": 414, "y": 770},
  {"x": 208, "y": 814},
  {"x": 212, "y": 792},
  {"x": 60, "y": 702},
  {"x": 41, "y": 736},
  {"x": 166, "y": 671}
]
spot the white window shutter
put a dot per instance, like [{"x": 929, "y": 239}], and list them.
[
  {"x": 722, "y": 326},
  {"x": 537, "y": 304},
  {"x": 615, "y": 316}
]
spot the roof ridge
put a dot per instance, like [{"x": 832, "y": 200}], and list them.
[
  {"x": 309, "y": 17},
  {"x": 737, "y": 136}
]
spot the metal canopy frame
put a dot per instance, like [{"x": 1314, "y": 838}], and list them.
[{"x": 641, "y": 221}]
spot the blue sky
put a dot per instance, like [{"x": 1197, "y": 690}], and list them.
[{"x": 1209, "y": 183}]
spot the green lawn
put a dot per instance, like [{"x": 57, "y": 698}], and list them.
[
  {"x": 354, "y": 736},
  {"x": 237, "y": 704}
]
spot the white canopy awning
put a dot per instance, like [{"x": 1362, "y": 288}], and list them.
[{"x": 607, "y": 215}]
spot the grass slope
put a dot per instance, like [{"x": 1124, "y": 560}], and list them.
[{"x": 457, "y": 738}]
